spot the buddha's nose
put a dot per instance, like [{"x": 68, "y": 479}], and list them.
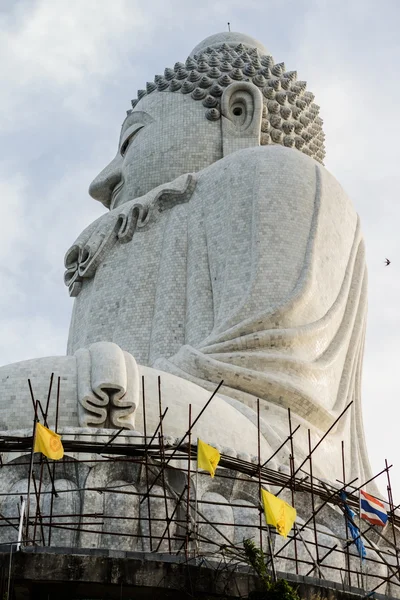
[{"x": 103, "y": 185}]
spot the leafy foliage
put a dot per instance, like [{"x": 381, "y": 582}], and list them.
[
  {"x": 273, "y": 590},
  {"x": 255, "y": 557}
]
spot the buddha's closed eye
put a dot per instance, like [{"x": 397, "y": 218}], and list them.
[{"x": 129, "y": 136}]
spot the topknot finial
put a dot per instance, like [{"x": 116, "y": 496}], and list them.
[{"x": 229, "y": 39}]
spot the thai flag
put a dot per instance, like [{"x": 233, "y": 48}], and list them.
[{"x": 372, "y": 509}]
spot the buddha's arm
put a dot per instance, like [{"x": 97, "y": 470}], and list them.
[{"x": 287, "y": 270}]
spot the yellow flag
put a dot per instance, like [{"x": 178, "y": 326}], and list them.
[
  {"x": 48, "y": 443},
  {"x": 207, "y": 457},
  {"x": 278, "y": 513}
]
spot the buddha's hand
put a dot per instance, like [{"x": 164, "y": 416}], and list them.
[
  {"x": 119, "y": 225},
  {"x": 107, "y": 386},
  {"x": 94, "y": 243}
]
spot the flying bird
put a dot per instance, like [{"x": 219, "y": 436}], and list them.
[{"x": 387, "y": 262}]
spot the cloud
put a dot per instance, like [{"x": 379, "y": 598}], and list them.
[
  {"x": 12, "y": 223},
  {"x": 51, "y": 50},
  {"x": 35, "y": 232},
  {"x": 26, "y": 338}
]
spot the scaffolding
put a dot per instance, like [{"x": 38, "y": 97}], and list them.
[{"x": 176, "y": 519}]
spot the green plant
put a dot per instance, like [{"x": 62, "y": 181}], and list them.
[
  {"x": 255, "y": 558},
  {"x": 273, "y": 590}
]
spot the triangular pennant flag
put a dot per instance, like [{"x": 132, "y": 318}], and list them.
[
  {"x": 278, "y": 513},
  {"x": 48, "y": 443},
  {"x": 207, "y": 457}
]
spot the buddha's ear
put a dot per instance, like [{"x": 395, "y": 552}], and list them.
[{"x": 241, "y": 109}]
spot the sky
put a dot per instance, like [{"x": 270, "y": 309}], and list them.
[{"x": 69, "y": 69}]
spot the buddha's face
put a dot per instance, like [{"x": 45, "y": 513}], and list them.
[{"x": 165, "y": 136}]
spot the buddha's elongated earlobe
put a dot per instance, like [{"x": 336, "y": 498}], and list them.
[{"x": 241, "y": 109}]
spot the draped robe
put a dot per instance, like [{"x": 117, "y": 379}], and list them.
[{"x": 251, "y": 271}]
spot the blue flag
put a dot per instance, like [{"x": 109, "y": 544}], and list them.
[{"x": 355, "y": 532}]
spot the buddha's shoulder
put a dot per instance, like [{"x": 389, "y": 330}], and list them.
[{"x": 268, "y": 168}]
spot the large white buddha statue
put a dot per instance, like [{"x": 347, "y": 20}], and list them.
[{"x": 227, "y": 252}]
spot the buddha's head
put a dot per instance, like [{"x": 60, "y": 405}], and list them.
[{"x": 228, "y": 95}]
